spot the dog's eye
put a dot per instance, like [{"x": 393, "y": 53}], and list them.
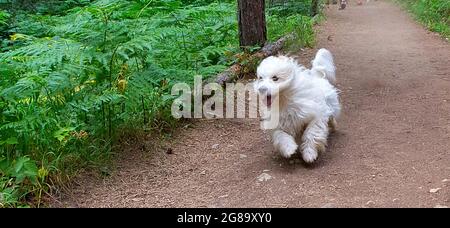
[
  {"x": 260, "y": 78},
  {"x": 275, "y": 78}
]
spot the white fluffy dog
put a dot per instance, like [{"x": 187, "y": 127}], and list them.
[{"x": 307, "y": 101}]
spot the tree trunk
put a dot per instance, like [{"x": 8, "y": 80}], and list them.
[
  {"x": 252, "y": 23},
  {"x": 314, "y": 7}
]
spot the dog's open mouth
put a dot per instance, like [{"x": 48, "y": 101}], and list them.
[{"x": 269, "y": 100}]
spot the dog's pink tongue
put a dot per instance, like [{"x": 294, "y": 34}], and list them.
[{"x": 269, "y": 101}]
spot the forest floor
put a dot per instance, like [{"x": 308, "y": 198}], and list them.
[{"x": 391, "y": 148}]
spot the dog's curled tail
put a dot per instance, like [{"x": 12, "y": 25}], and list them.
[{"x": 323, "y": 65}]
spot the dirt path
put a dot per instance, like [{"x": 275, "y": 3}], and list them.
[{"x": 391, "y": 148}]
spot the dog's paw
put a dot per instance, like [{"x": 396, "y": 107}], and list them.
[
  {"x": 288, "y": 150},
  {"x": 309, "y": 155},
  {"x": 332, "y": 125}
]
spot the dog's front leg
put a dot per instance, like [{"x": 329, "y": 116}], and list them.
[
  {"x": 284, "y": 143},
  {"x": 314, "y": 139}
]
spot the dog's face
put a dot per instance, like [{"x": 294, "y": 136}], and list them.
[{"x": 274, "y": 76}]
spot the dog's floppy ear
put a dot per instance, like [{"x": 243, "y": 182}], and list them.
[
  {"x": 286, "y": 72},
  {"x": 288, "y": 66}
]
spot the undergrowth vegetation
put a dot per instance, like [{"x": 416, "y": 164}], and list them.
[
  {"x": 435, "y": 14},
  {"x": 75, "y": 73}
]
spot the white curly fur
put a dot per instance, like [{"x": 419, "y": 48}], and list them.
[{"x": 307, "y": 101}]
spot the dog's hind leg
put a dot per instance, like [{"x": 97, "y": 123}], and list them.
[
  {"x": 284, "y": 143},
  {"x": 332, "y": 124},
  {"x": 314, "y": 140}
]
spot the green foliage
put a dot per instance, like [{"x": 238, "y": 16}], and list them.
[
  {"x": 287, "y": 16},
  {"x": 285, "y": 8},
  {"x": 301, "y": 26},
  {"x": 4, "y": 24},
  {"x": 4, "y": 16},
  {"x": 76, "y": 72},
  {"x": 19, "y": 173},
  {"x": 42, "y": 6},
  {"x": 435, "y": 14}
]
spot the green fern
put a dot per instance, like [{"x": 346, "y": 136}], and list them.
[{"x": 78, "y": 71}]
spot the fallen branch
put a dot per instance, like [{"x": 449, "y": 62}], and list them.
[
  {"x": 236, "y": 70},
  {"x": 273, "y": 48}
]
